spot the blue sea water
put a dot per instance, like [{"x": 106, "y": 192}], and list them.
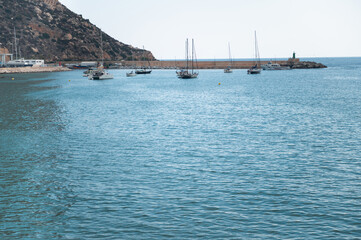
[{"x": 270, "y": 156}]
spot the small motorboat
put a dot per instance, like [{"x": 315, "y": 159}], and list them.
[
  {"x": 100, "y": 74},
  {"x": 89, "y": 72},
  {"x": 228, "y": 70},
  {"x": 131, "y": 74}
]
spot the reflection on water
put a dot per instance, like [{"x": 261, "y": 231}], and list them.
[
  {"x": 32, "y": 195},
  {"x": 155, "y": 157}
]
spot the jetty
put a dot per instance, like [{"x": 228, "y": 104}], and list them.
[
  {"x": 33, "y": 69},
  {"x": 293, "y": 63}
]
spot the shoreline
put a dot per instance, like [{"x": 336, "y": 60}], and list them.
[{"x": 20, "y": 70}]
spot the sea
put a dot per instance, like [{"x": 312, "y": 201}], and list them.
[{"x": 223, "y": 156}]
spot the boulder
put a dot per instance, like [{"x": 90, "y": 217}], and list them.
[{"x": 68, "y": 37}]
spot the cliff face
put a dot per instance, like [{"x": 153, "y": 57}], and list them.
[{"x": 48, "y": 30}]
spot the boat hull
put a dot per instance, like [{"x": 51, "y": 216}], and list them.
[
  {"x": 100, "y": 76},
  {"x": 274, "y": 66},
  {"x": 188, "y": 75},
  {"x": 254, "y": 71},
  {"x": 143, "y": 72}
]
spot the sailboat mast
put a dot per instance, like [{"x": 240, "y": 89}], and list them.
[
  {"x": 19, "y": 48},
  {"x": 187, "y": 53},
  {"x": 230, "y": 56},
  {"x": 149, "y": 66},
  {"x": 15, "y": 44},
  {"x": 101, "y": 46},
  {"x": 192, "y": 53},
  {"x": 255, "y": 46},
  {"x": 143, "y": 58},
  {"x": 257, "y": 57}
]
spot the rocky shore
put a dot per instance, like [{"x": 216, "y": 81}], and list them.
[
  {"x": 32, "y": 70},
  {"x": 50, "y": 31},
  {"x": 306, "y": 65}
]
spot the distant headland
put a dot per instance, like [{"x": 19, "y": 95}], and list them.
[{"x": 48, "y": 30}]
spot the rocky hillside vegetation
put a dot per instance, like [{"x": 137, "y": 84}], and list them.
[{"x": 48, "y": 30}]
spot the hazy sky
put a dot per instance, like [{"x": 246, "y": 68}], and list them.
[{"x": 311, "y": 28}]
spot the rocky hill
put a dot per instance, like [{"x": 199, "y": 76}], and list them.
[{"x": 48, "y": 30}]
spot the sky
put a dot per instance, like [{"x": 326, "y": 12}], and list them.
[{"x": 311, "y": 28}]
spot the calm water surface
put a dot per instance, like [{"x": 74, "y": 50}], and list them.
[{"x": 274, "y": 156}]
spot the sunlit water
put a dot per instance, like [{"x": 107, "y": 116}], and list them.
[{"x": 273, "y": 156}]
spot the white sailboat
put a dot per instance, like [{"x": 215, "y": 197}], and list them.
[
  {"x": 186, "y": 73},
  {"x": 89, "y": 72},
  {"x": 229, "y": 69},
  {"x": 131, "y": 73},
  {"x": 256, "y": 69},
  {"x": 100, "y": 73}
]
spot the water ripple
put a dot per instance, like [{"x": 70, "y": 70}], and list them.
[{"x": 274, "y": 156}]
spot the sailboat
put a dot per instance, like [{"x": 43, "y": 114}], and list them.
[
  {"x": 185, "y": 73},
  {"x": 256, "y": 69},
  {"x": 228, "y": 69},
  {"x": 144, "y": 70},
  {"x": 100, "y": 73},
  {"x": 132, "y": 73},
  {"x": 19, "y": 60}
]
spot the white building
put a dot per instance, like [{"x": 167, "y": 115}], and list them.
[{"x": 89, "y": 64}]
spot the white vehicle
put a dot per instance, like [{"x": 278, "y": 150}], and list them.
[{"x": 26, "y": 63}]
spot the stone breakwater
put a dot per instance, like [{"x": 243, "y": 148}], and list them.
[
  {"x": 305, "y": 65},
  {"x": 292, "y": 63},
  {"x": 32, "y": 70}
]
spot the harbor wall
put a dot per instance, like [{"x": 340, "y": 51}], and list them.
[
  {"x": 293, "y": 63},
  {"x": 200, "y": 64}
]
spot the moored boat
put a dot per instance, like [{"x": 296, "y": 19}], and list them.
[
  {"x": 89, "y": 72},
  {"x": 229, "y": 69},
  {"x": 131, "y": 74},
  {"x": 143, "y": 69},
  {"x": 185, "y": 73},
  {"x": 256, "y": 69},
  {"x": 274, "y": 66},
  {"x": 100, "y": 73}
]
